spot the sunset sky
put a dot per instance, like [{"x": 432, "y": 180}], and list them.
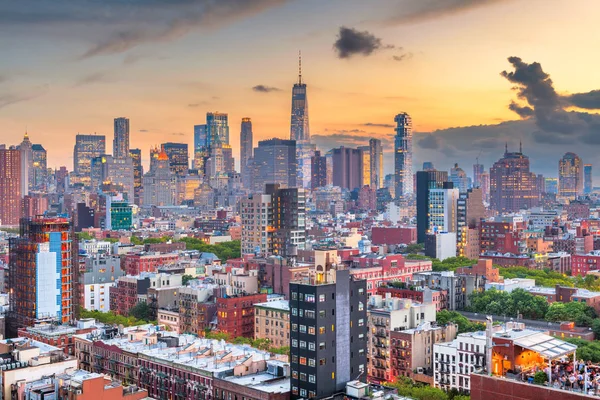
[{"x": 73, "y": 68}]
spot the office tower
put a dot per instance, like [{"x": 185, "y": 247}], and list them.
[
  {"x": 42, "y": 278},
  {"x": 178, "y": 157},
  {"x": 403, "y": 155},
  {"x": 540, "y": 186},
  {"x": 200, "y": 137},
  {"x": 328, "y": 335},
  {"x": 570, "y": 176},
  {"x": 459, "y": 178},
  {"x": 119, "y": 215},
  {"x": 512, "y": 185},
  {"x": 366, "y": 162},
  {"x": 246, "y": 146},
  {"x": 26, "y": 149},
  {"x": 587, "y": 179},
  {"x": 477, "y": 171},
  {"x": 347, "y": 168},
  {"x": 389, "y": 182},
  {"x": 138, "y": 173},
  {"x": 469, "y": 212},
  {"x": 154, "y": 152},
  {"x": 39, "y": 168},
  {"x": 442, "y": 209},
  {"x": 428, "y": 166},
  {"x": 551, "y": 185},
  {"x": 485, "y": 186},
  {"x": 274, "y": 162},
  {"x": 10, "y": 186},
  {"x": 318, "y": 171},
  {"x": 121, "y": 138},
  {"x": 118, "y": 173},
  {"x": 61, "y": 176},
  {"x": 273, "y": 222},
  {"x": 376, "y": 158},
  {"x": 159, "y": 183},
  {"x": 427, "y": 181},
  {"x": 217, "y": 128},
  {"x": 86, "y": 148},
  {"x": 299, "y": 127}
]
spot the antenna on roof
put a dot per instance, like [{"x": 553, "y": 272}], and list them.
[{"x": 300, "y": 67}]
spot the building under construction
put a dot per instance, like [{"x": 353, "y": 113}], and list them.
[{"x": 42, "y": 279}]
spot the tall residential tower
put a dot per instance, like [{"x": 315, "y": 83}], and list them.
[
  {"x": 246, "y": 145},
  {"x": 121, "y": 139},
  {"x": 403, "y": 156}
]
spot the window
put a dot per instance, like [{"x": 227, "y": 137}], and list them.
[
  {"x": 311, "y": 362},
  {"x": 294, "y": 327},
  {"x": 361, "y": 322},
  {"x": 311, "y": 330},
  {"x": 309, "y": 298},
  {"x": 302, "y": 360},
  {"x": 322, "y": 346},
  {"x": 295, "y": 374},
  {"x": 302, "y": 344},
  {"x": 311, "y": 346},
  {"x": 303, "y": 376},
  {"x": 295, "y": 359},
  {"x": 309, "y": 314},
  {"x": 294, "y": 295},
  {"x": 303, "y": 392},
  {"x": 322, "y": 314},
  {"x": 321, "y": 298},
  {"x": 321, "y": 330},
  {"x": 294, "y": 311},
  {"x": 311, "y": 378},
  {"x": 322, "y": 361},
  {"x": 294, "y": 343},
  {"x": 295, "y": 390},
  {"x": 302, "y": 328}
]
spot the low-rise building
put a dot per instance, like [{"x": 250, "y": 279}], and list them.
[
  {"x": 272, "y": 384},
  {"x": 455, "y": 361},
  {"x": 101, "y": 273},
  {"x": 458, "y": 287},
  {"x": 272, "y": 322},
  {"x": 235, "y": 314},
  {"x": 508, "y": 285}
]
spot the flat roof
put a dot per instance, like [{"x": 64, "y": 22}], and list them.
[
  {"x": 548, "y": 346},
  {"x": 281, "y": 305},
  {"x": 264, "y": 382}
]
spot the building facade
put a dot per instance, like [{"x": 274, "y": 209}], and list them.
[
  {"x": 10, "y": 187},
  {"x": 403, "y": 155}
]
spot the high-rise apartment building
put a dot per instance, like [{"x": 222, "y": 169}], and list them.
[
  {"x": 459, "y": 178},
  {"x": 570, "y": 176},
  {"x": 26, "y": 149},
  {"x": 328, "y": 334},
  {"x": 469, "y": 212},
  {"x": 477, "y": 171},
  {"x": 427, "y": 181},
  {"x": 217, "y": 128},
  {"x": 347, "y": 168},
  {"x": 10, "y": 186},
  {"x": 442, "y": 210},
  {"x": 588, "y": 185},
  {"x": 39, "y": 172},
  {"x": 376, "y": 159},
  {"x": 512, "y": 185},
  {"x": 42, "y": 277},
  {"x": 86, "y": 148},
  {"x": 485, "y": 186},
  {"x": 121, "y": 138},
  {"x": 178, "y": 157},
  {"x": 366, "y": 162},
  {"x": 318, "y": 171},
  {"x": 246, "y": 146},
  {"x": 275, "y": 162},
  {"x": 138, "y": 173},
  {"x": 403, "y": 156},
  {"x": 274, "y": 222}
]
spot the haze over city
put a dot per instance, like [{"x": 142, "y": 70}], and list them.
[{"x": 165, "y": 64}]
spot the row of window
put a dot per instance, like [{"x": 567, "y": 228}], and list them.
[{"x": 311, "y": 329}]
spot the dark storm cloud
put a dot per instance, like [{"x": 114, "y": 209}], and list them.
[
  {"x": 265, "y": 89},
  {"x": 409, "y": 11},
  {"x": 429, "y": 141},
  {"x": 589, "y": 100},
  {"x": 351, "y": 42},
  {"x": 374, "y": 124}
]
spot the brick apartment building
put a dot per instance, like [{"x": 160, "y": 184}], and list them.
[
  {"x": 235, "y": 314},
  {"x": 134, "y": 264},
  {"x": 393, "y": 235}
]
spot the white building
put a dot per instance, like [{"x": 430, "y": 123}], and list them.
[
  {"x": 441, "y": 245},
  {"x": 442, "y": 210},
  {"x": 511, "y": 284},
  {"x": 95, "y": 246},
  {"x": 455, "y": 361}
]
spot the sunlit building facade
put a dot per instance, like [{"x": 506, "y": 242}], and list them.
[
  {"x": 570, "y": 176},
  {"x": 403, "y": 156}
]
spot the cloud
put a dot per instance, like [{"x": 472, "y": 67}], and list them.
[
  {"x": 177, "y": 134},
  {"x": 7, "y": 99},
  {"x": 429, "y": 141},
  {"x": 144, "y": 130},
  {"x": 348, "y": 138},
  {"x": 352, "y": 42},
  {"x": 95, "y": 77},
  {"x": 3, "y": 78},
  {"x": 589, "y": 100},
  {"x": 403, "y": 57},
  {"x": 265, "y": 89},
  {"x": 410, "y": 11},
  {"x": 374, "y": 124}
]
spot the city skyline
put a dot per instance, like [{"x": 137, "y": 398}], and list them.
[{"x": 98, "y": 81}]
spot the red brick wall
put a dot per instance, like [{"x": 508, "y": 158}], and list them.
[{"x": 487, "y": 387}]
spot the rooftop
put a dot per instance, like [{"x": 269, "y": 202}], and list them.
[
  {"x": 264, "y": 382},
  {"x": 281, "y": 305}
]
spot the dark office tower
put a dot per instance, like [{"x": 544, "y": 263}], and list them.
[
  {"x": 428, "y": 166},
  {"x": 477, "y": 171},
  {"x": 289, "y": 216},
  {"x": 121, "y": 139},
  {"x": 274, "y": 162},
  {"x": 178, "y": 157},
  {"x": 10, "y": 187},
  {"x": 512, "y": 185},
  {"x": 403, "y": 155},
  {"x": 42, "y": 277},
  {"x": 86, "y": 148},
  {"x": 39, "y": 172},
  {"x": 587, "y": 179},
  {"x": 376, "y": 159},
  {"x": 426, "y": 181},
  {"x": 84, "y": 217},
  {"x": 328, "y": 333},
  {"x": 299, "y": 128},
  {"x": 217, "y": 129},
  {"x": 347, "y": 168},
  {"x": 246, "y": 146},
  {"x": 469, "y": 212},
  {"x": 138, "y": 173},
  {"x": 61, "y": 176},
  {"x": 570, "y": 176},
  {"x": 318, "y": 167}
]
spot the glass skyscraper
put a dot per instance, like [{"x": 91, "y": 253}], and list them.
[
  {"x": 300, "y": 131},
  {"x": 121, "y": 139},
  {"x": 403, "y": 155}
]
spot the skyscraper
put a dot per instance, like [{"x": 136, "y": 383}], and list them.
[
  {"x": 26, "y": 149},
  {"x": 403, "y": 155},
  {"x": 459, "y": 178},
  {"x": 427, "y": 181},
  {"x": 551, "y": 185},
  {"x": 118, "y": 172},
  {"x": 39, "y": 168},
  {"x": 246, "y": 146},
  {"x": 42, "y": 279},
  {"x": 86, "y": 148},
  {"x": 366, "y": 162},
  {"x": 512, "y": 185},
  {"x": 10, "y": 186},
  {"x": 477, "y": 171},
  {"x": 328, "y": 335},
  {"x": 570, "y": 176},
  {"x": 442, "y": 209},
  {"x": 428, "y": 166},
  {"x": 376, "y": 151},
  {"x": 299, "y": 128},
  {"x": 318, "y": 171},
  {"x": 469, "y": 211},
  {"x": 159, "y": 183},
  {"x": 274, "y": 162},
  {"x": 178, "y": 157},
  {"x": 588, "y": 185},
  {"x": 347, "y": 168},
  {"x": 217, "y": 128},
  {"x": 138, "y": 173},
  {"x": 121, "y": 138}
]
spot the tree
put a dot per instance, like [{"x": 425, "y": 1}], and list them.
[
  {"x": 540, "y": 378},
  {"x": 596, "y": 327},
  {"x": 414, "y": 248},
  {"x": 579, "y": 313},
  {"x": 85, "y": 236},
  {"x": 141, "y": 311},
  {"x": 136, "y": 241},
  {"x": 445, "y": 317},
  {"x": 185, "y": 279}
]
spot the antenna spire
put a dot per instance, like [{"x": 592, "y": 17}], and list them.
[
  {"x": 300, "y": 67},
  {"x": 520, "y": 146},
  {"x": 506, "y": 147}
]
